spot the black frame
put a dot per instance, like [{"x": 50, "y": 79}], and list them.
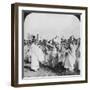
[{"x": 14, "y": 43}]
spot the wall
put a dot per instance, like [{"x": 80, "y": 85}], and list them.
[{"x": 5, "y": 44}]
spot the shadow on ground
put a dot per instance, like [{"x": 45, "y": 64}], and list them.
[{"x": 44, "y": 70}]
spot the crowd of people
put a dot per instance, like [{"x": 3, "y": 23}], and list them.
[{"x": 51, "y": 52}]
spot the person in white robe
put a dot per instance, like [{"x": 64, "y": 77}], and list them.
[
  {"x": 70, "y": 59},
  {"x": 67, "y": 63},
  {"x": 36, "y": 56}
]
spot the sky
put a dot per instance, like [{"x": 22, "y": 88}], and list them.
[{"x": 49, "y": 25}]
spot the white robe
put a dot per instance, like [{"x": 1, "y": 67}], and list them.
[
  {"x": 71, "y": 59},
  {"x": 36, "y": 56}
]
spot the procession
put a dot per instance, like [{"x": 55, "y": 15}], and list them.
[{"x": 58, "y": 54}]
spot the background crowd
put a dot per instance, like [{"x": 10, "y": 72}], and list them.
[{"x": 54, "y": 52}]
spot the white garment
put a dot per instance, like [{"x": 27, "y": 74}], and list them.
[
  {"x": 71, "y": 59},
  {"x": 67, "y": 63},
  {"x": 34, "y": 62},
  {"x": 36, "y": 56}
]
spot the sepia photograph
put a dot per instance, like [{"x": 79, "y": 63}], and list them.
[{"x": 49, "y": 44}]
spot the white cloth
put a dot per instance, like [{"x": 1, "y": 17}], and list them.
[
  {"x": 34, "y": 62},
  {"x": 71, "y": 59},
  {"x": 36, "y": 56}
]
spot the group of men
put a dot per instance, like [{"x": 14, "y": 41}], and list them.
[{"x": 51, "y": 52}]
